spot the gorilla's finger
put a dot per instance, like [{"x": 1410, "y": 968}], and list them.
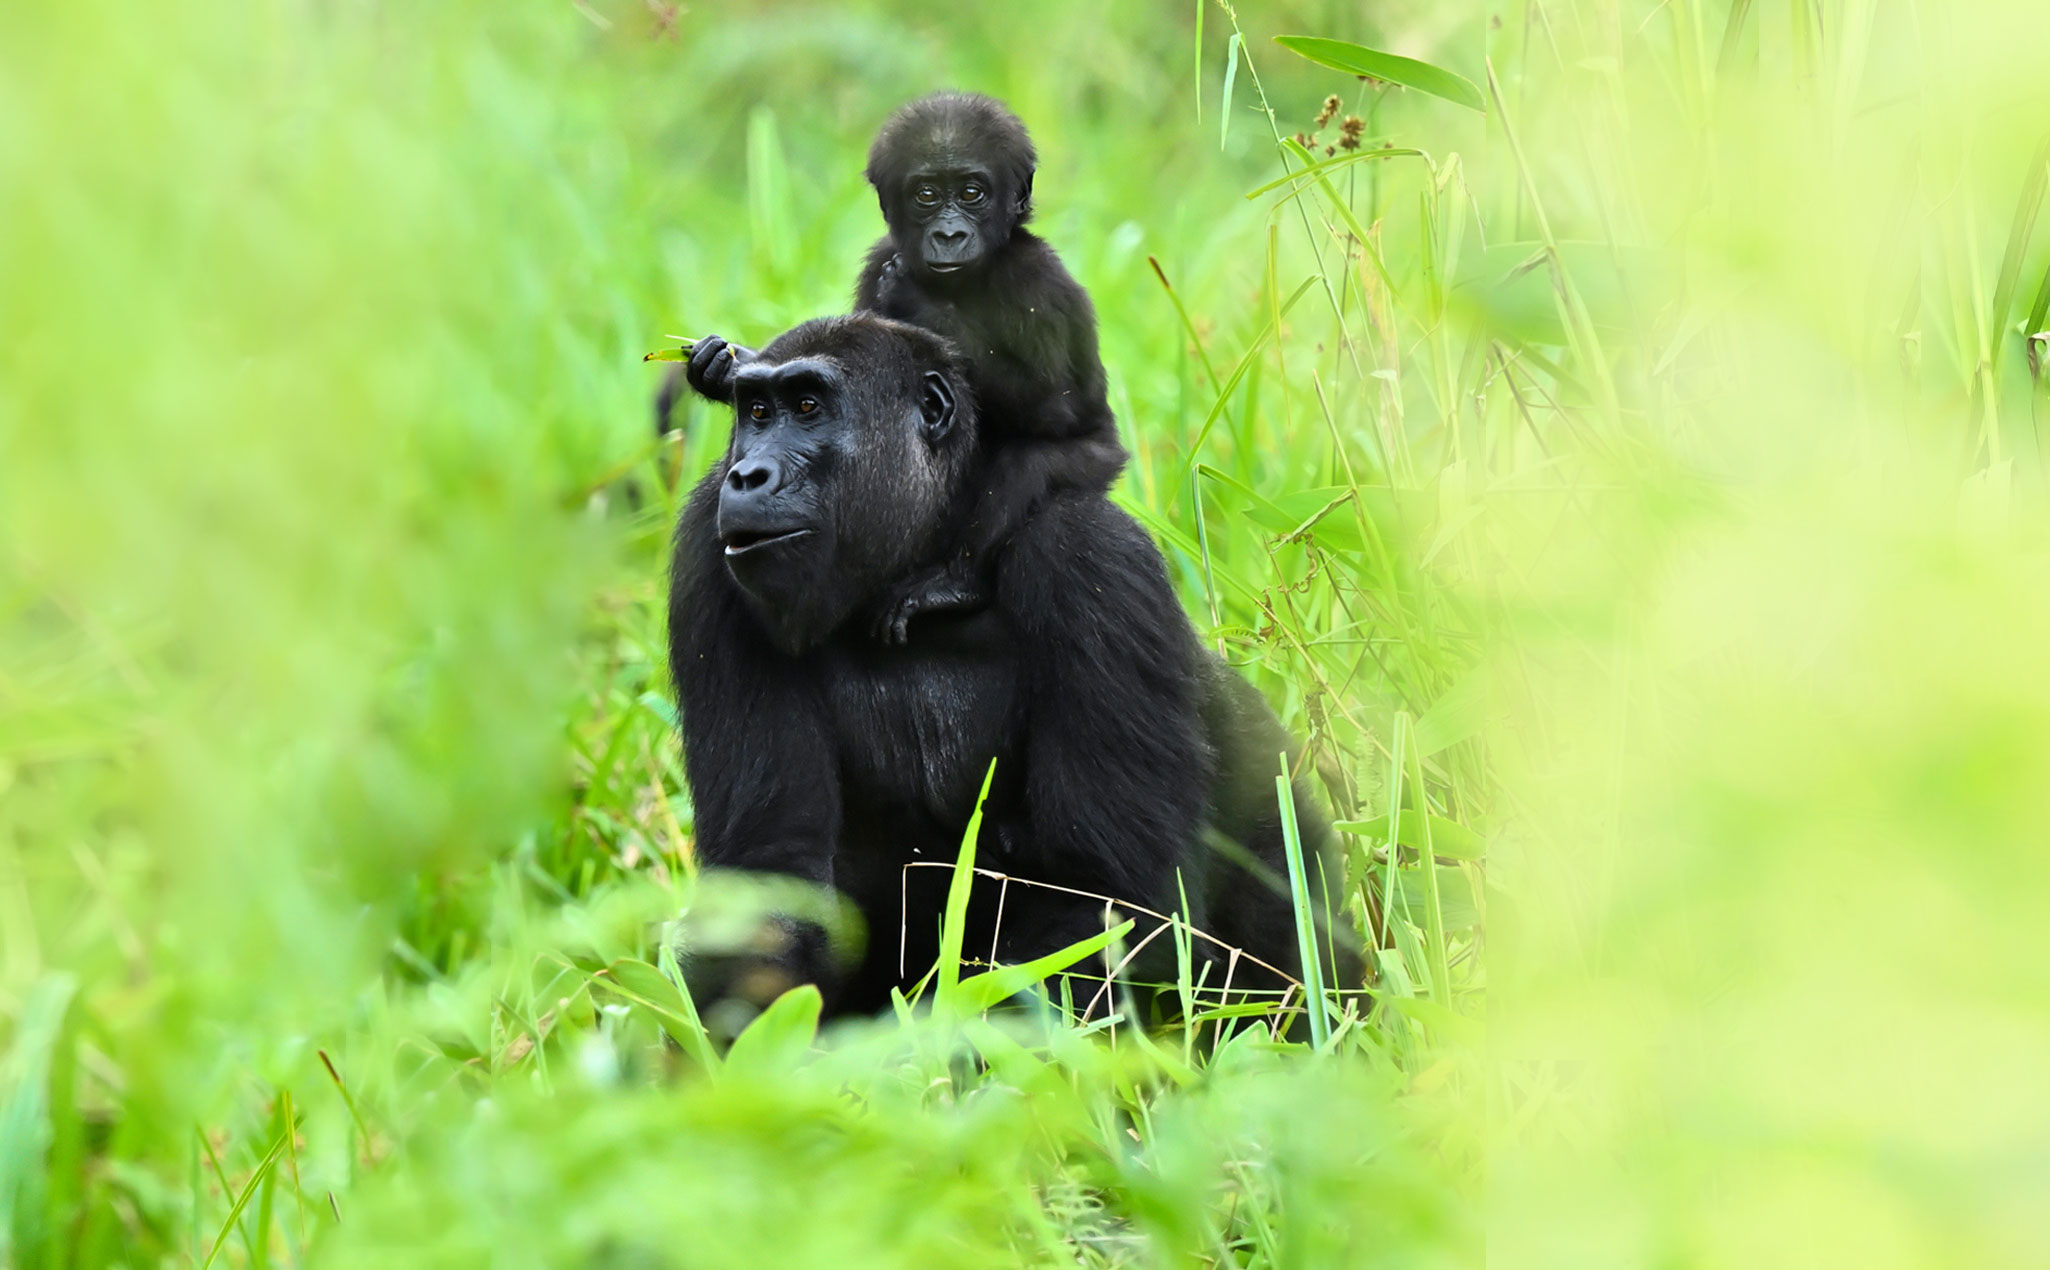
[{"x": 710, "y": 368}]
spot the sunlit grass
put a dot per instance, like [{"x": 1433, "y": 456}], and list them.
[{"x": 1632, "y": 492}]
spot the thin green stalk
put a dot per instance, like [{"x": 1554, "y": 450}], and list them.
[{"x": 1305, "y": 919}]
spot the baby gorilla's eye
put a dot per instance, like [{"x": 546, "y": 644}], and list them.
[
  {"x": 927, "y": 196},
  {"x": 971, "y": 194},
  {"x": 757, "y": 410},
  {"x": 807, "y": 405}
]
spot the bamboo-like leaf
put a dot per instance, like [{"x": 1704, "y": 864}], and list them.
[
  {"x": 1305, "y": 919},
  {"x": 1231, "y": 74},
  {"x": 979, "y": 992},
  {"x": 1325, "y": 165},
  {"x": 1358, "y": 59},
  {"x": 1449, "y": 838},
  {"x": 955, "y": 924},
  {"x": 780, "y": 1035},
  {"x": 647, "y": 987}
]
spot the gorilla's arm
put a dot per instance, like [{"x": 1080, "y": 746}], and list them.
[
  {"x": 763, "y": 774},
  {"x": 1013, "y": 481},
  {"x": 764, "y": 780}
]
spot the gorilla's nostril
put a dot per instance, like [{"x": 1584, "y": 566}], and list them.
[{"x": 750, "y": 475}]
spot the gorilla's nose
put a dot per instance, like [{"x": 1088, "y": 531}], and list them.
[
  {"x": 950, "y": 237},
  {"x": 754, "y": 476}
]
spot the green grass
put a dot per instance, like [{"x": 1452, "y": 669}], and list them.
[{"x": 1633, "y": 493}]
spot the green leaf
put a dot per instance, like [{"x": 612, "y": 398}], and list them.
[
  {"x": 661, "y": 707},
  {"x": 1357, "y": 59},
  {"x": 681, "y": 353},
  {"x": 1455, "y": 894},
  {"x": 1448, "y": 837},
  {"x": 1305, "y": 918},
  {"x": 955, "y": 925},
  {"x": 1231, "y": 74},
  {"x": 26, "y": 1129},
  {"x": 1447, "y": 1024},
  {"x": 781, "y": 1035},
  {"x": 648, "y": 988},
  {"x": 263, "y": 1170},
  {"x": 979, "y": 992},
  {"x": 1302, "y": 176},
  {"x": 1454, "y": 716}
]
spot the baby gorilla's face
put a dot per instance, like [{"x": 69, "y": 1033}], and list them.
[
  {"x": 954, "y": 174},
  {"x": 957, "y": 215}
]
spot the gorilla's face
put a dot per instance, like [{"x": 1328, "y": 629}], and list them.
[
  {"x": 955, "y": 214},
  {"x": 846, "y": 455}
]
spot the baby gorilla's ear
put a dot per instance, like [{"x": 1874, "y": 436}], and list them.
[{"x": 936, "y": 408}]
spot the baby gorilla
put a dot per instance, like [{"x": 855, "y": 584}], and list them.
[{"x": 953, "y": 172}]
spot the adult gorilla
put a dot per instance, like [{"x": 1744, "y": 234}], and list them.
[{"x": 817, "y": 753}]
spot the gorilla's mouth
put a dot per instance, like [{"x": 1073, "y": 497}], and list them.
[
  {"x": 742, "y": 541},
  {"x": 947, "y": 266}
]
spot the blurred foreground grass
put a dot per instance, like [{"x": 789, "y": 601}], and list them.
[{"x": 1650, "y": 467}]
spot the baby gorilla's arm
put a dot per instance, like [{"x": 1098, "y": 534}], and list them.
[{"x": 1017, "y": 478}]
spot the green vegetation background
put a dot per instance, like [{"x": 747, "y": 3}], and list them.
[{"x": 1647, "y": 480}]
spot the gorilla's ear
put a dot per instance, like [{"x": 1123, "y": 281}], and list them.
[
  {"x": 936, "y": 408},
  {"x": 1025, "y": 194}
]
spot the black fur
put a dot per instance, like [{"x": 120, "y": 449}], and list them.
[
  {"x": 962, "y": 264},
  {"x": 1024, "y": 322},
  {"x": 815, "y": 752}
]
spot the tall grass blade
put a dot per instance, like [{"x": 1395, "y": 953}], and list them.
[
  {"x": 249, "y": 1189},
  {"x": 1733, "y": 31},
  {"x": 1231, "y": 75},
  {"x": 2019, "y": 235},
  {"x": 1305, "y": 916},
  {"x": 954, "y": 926},
  {"x": 1434, "y": 905},
  {"x": 26, "y": 1133}
]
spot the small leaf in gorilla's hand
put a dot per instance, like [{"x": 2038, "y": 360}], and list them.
[
  {"x": 681, "y": 353},
  {"x": 1358, "y": 59}
]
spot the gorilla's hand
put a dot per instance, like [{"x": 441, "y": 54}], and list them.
[
  {"x": 710, "y": 368},
  {"x": 891, "y": 297},
  {"x": 943, "y": 589}
]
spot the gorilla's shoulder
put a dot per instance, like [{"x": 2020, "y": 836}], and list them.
[{"x": 1084, "y": 557}]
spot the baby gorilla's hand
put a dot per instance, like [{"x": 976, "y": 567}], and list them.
[
  {"x": 892, "y": 292},
  {"x": 937, "y": 590}
]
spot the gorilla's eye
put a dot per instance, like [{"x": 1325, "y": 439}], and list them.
[
  {"x": 971, "y": 194},
  {"x": 758, "y": 410},
  {"x": 927, "y": 196},
  {"x": 807, "y": 405}
]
